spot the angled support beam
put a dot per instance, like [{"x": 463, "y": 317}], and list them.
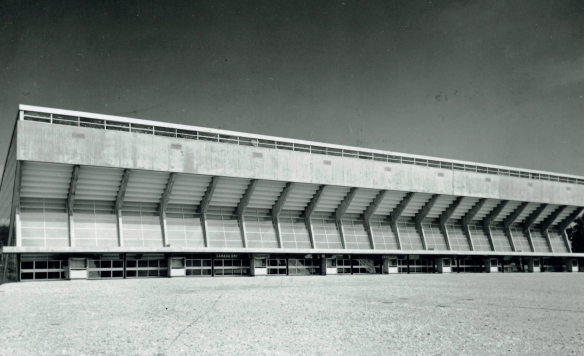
[
  {"x": 426, "y": 209},
  {"x": 548, "y": 240},
  {"x": 467, "y": 218},
  {"x": 340, "y": 213},
  {"x": 395, "y": 230},
  {"x": 369, "y": 213},
  {"x": 422, "y": 235},
  {"x": 514, "y": 215},
  {"x": 566, "y": 241},
  {"x": 163, "y": 205},
  {"x": 14, "y": 231},
  {"x": 119, "y": 204},
  {"x": 570, "y": 219},
  {"x": 489, "y": 234},
  {"x": 495, "y": 213},
  {"x": 122, "y": 189},
  {"x": 530, "y": 220},
  {"x": 277, "y": 209},
  {"x": 204, "y": 207},
  {"x": 71, "y": 203},
  {"x": 565, "y": 224},
  {"x": 445, "y": 216},
  {"x": 468, "y": 236},
  {"x": 310, "y": 210},
  {"x": 547, "y": 223},
  {"x": 242, "y": 207},
  {"x": 488, "y": 220},
  {"x": 167, "y": 192},
  {"x": 399, "y": 209},
  {"x": 529, "y": 239},
  {"x": 279, "y": 205},
  {"x": 421, "y": 215}
]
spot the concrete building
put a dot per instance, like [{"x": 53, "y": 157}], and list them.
[{"x": 94, "y": 196}]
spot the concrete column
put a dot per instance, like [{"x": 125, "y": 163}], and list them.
[
  {"x": 120, "y": 228},
  {"x": 444, "y": 265},
  {"x": 534, "y": 265},
  {"x": 491, "y": 265},
  {"x": 323, "y": 266},
  {"x": 571, "y": 265}
]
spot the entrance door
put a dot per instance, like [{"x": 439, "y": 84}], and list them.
[
  {"x": 231, "y": 267},
  {"x": 198, "y": 267},
  {"x": 105, "y": 269},
  {"x": 276, "y": 266}
]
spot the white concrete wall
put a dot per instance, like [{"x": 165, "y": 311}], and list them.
[{"x": 63, "y": 144}]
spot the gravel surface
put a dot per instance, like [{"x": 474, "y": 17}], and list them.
[{"x": 458, "y": 314}]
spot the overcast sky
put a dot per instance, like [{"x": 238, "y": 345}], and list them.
[{"x": 499, "y": 82}]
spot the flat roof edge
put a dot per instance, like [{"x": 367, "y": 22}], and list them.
[
  {"x": 273, "y": 138},
  {"x": 38, "y": 250}
]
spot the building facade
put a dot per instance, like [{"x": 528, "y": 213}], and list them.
[{"x": 94, "y": 196}]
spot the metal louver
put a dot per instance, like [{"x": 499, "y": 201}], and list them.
[
  {"x": 146, "y": 186},
  {"x": 97, "y": 183},
  {"x": 189, "y": 189},
  {"x": 443, "y": 202},
  {"x": 331, "y": 198},
  {"x": 361, "y": 201},
  {"x": 45, "y": 180},
  {"x": 300, "y": 196},
  {"x": 265, "y": 194},
  {"x": 229, "y": 191},
  {"x": 464, "y": 207},
  {"x": 416, "y": 204},
  {"x": 489, "y": 205},
  {"x": 509, "y": 208},
  {"x": 390, "y": 201}
]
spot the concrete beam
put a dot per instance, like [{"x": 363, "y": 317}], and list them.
[
  {"x": 244, "y": 202},
  {"x": 279, "y": 205},
  {"x": 566, "y": 241},
  {"x": 490, "y": 236},
  {"x": 495, "y": 213},
  {"x": 447, "y": 214},
  {"x": 550, "y": 219},
  {"x": 204, "y": 206},
  {"x": 396, "y": 233},
  {"x": 167, "y": 192},
  {"x": 14, "y": 225},
  {"x": 514, "y": 215},
  {"x": 277, "y": 209},
  {"x": 468, "y": 236},
  {"x": 426, "y": 209},
  {"x": 310, "y": 210},
  {"x": 529, "y": 240},
  {"x": 570, "y": 219},
  {"x": 530, "y": 220},
  {"x": 546, "y": 234},
  {"x": 163, "y": 205},
  {"x": 422, "y": 235},
  {"x": 399, "y": 209},
  {"x": 340, "y": 212},
  {"x": 369, "y": 213},
  {"x": 122, "y": 189},
  {"x": 342, "y": 209},
  {"x": 242, "y": 207},
  {"x": 71, "y": 203},
  {"x": 72, "y": 189},
  {"x": 467, "y": 218}
]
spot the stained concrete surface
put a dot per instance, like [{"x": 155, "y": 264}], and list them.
[{"x": 458, "y": 314}]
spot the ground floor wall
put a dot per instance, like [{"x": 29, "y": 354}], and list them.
[{"x": 35, "y": 267}]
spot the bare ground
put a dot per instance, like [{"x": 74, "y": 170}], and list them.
[{"x": 458, "y": 314}]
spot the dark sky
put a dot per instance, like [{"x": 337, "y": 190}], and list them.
[{"x": 498, "y": 82}]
